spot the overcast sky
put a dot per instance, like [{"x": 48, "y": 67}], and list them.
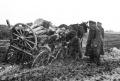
[{"x": 62, "y": 11}]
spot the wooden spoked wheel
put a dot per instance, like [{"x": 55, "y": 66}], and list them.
[
  {"x": 45, "y": 57},
  {"x": 42, "y": 58},
  {"x": 23, "y": 38}
]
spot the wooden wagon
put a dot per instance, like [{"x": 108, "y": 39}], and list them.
[{"x": 25, "y": 46}]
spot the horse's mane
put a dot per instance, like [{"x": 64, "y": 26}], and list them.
[{"x": 80, "y": 28}]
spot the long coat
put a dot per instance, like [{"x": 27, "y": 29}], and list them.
[
  {"x": 99, "y": 25},
  {"x": 94, "y": 42},
  {"x": 101, "y": 29}
]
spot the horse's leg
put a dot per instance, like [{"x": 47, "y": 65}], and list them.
[
  {"x": 80, "y": 47},
  {"x": 81, "y": 42}
]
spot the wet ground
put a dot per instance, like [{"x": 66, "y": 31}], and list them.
[{"x": 67, "y": 70}]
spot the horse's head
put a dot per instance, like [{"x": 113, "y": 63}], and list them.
[
  {"x": 74, "y": 27},
  {"x": 85, "y": 26},
  {"x": 63, "y": 26}
]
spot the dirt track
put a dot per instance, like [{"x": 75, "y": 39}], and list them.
[
  {"x": 109, "y": 70},
  {"x": 70, "y": 70}
]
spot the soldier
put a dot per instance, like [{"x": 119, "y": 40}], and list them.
[
  {"x": 76, "y": 41},
  {"x": 99, "y": 25},
  {"x": 90, "y": 37},
  {"x": 94, "y": 42},
  {"x": 73, "y": 45}
]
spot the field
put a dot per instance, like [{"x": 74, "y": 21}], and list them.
[{"x": 69, "y": 70}]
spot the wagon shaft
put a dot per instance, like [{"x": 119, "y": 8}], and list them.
[{"x": 21, "y": 50}]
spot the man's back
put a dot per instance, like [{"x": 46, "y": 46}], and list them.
[
  {"x": 92, "y": 32},
  {"x": 99, "y": 25}
]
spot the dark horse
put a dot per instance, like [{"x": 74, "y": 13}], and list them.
[
  {"x": 81, "y": 29},
  {"x": 76, "y": 42}
]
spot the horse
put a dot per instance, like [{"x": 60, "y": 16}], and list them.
[{"x": 81, "y": 29}]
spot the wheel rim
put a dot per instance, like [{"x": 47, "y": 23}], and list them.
[
  {"x": 41, "y": 59},
  {"x": 23, "y": 37}
]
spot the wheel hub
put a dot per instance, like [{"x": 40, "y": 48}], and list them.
[{"x": 22, "y": 37}]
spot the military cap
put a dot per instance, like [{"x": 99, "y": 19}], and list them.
[
  {"x": 92, "y": 25},
  {"x": 92, "y": 22},
  {"x": 99, "y": 24}
]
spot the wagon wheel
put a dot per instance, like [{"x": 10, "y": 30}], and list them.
[
  {"x": 42, "y": 58},
  {"x": 23, "y": 38}
]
